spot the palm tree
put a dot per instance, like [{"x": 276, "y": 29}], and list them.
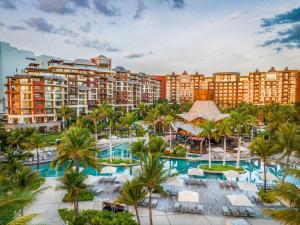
[
  {"x": 224, "y": 130},
  {"x": 110, "y": 114},
  {"x": 290, "y": 193},
  {"x": 35, "y": 141},
  {"x": 128, "y": 120},
  {"x": 240, "y": 124},
  {"x": 288, "y": 141},
  {"x": 168, "y": 120},
  {"x": 15, "y": 138},
  {"x": 142, "y": 107},
  {"x": 152, "y": 177},
  {"x": 139, "y": 148},
  {"x": 152, "y": 118},
  {"x": 76, "y": 148},
  {"x": 263, "y": 149},
  {"x": 73, "y": 182},
  {"x": 251, "y": 110},
  {"x": 156, "y": 145},
  {"x": 132, "y": 193},
  {"x": 209, "y": 131},
  {"x": 66, "y": 113},
  {"x": 95, "y": 115}
]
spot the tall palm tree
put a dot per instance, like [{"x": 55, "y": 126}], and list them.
[
  {"x": 152, "y": 118},
  {"x": 156, "y": 145},
  {"x": 35, "y": 141},
  {"x": 73, "y": 182},
  {"x": 251, "y": 110},
  {"x": 263, "y": 149},
  {"x": 224, "y": 130},
  {"x": 66, "y": 113},
  {"x": 128, "y": 120},
  {"x": 288, "y": 142},
  {"x": 152, "y": 177},
  {"x": 95, "y": 115},
  {"x": 240, "y": 124},
  {"x": 142, "y": 107},
  {"x": 209, "y": 131},
  {"x": 290, "y": 193},
  {"x": 168, "y": 120},
  {"x": 132, "y": 193},
  {"x": 15, "y": 138},
  {"x": 76, "y": 148}
]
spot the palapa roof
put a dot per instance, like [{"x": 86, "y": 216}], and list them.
[{"x": 207, "y": 110}]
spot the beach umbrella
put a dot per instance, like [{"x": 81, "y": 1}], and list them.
[
  {"x": 103, "y": 141},
  {"x": 188, "y": 196},
  {"x": 174, "y": 181},
  {"x": 231, "y": 174},
  {"x": 109, "y": 169},
  {"x": 239, "y": 200},
  {"x": 246, "y": 186},
  {"x": 122, "y": 178},
  {"x": 195, "y": 172}
]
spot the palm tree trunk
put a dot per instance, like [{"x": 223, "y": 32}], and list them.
[
  {"x": 150, "y": 208},
  {"x": 76, "y": 207},
  {"x": 96, "y": 132},
  {"x": 63, "y": 122},
  {"x": 77, "y": 167},
  {"x": 38, "y": 159},
  {"x": 265, "y": 176},
  {"x": 224, "y": 154},
  {"x": 137, "y": 214},
  {"x": 170, "y": 130},
  {"x": 287, "y": 166},
  {"x": 209, "y": 153},
  {"x": 110, "y": 145},
  {"x": 239, "y": 152},
  {"x": 130, "y": 142},
  {"x": 252, "y": 133},
  {"x": 22, "y": 212}
]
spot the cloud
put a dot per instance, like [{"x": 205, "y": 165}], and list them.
[
  {"x": 134, "y": 55},
  {"x": 8, "y": 4},
  {"x": 61, "y": 7},
  {"x": 98, "y": 44},
  {"x": 289, "y": 38},
  {"x": 291, "y": 16},
  {"x": 86, "y": 27},
  {"x": 141, "y": 7},
  {"x": 2, "y": 24},
  {"x": 177, "y": 4},
  {"x": 14, "y": 28},
  {"x": 41, "y": 25},
  {"x": 103, "y": 7}
]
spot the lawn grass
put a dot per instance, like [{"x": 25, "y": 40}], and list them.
[
  {"x": 220, "y": 168},
  {"x": 83, "y": 196},
  {"x": 50, "y": 138},
  {"x": 118, "y": 161}
]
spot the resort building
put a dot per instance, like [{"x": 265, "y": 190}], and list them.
[{"x": 229, "y": 89}]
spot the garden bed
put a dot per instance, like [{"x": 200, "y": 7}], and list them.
[
  {"x": 83, "y": 196},
  {"x": 220, "y": 168},
  {"x": 119, "y": 162}
]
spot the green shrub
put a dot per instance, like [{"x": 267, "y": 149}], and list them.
[
  {"x": 97, "y": 217},
  {"x": 179, "y": 151},
  {"x": 83, "y": 196},
  {"x": 220, "y": 168},
  {"x": 266, "y": 197},
  {"x": 117, "y": 161}
]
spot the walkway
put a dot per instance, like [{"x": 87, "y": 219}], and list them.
[{"x": 50, "y": 201}]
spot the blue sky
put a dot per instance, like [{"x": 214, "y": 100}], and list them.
[{"x": 159, "y": 36}]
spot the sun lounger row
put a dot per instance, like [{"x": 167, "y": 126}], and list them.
[
  {"x": 188, "y": 208},
  {"x": 145, "y": 202},
  {"x": 254, "y": 199},
  {"x": 195, "y": 182},
  {"x": 171, "y": 192},
  {"x": 269, "y": 186},
  {"x": 114, "y": 207},
  {"x": 238, "y": 211},
  {"x": 228, "y": 184},
  {"x": 97, "y": 190},
  {"x": 107, "y": 179}
]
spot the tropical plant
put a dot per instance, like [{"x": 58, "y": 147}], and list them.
[
  {"x": 132, "y": 193},
  {"x": 209, "y": 131},
  {"x": 288, "y": 142},
  {"x": 95, "y": 115},
  {"x": 152, "y": 177},
  {"x": 263, "y": 149},
  {"x": 35, "y": 142},
  {"x": 128, "y": 120},
  {"x": 76, "y": 148},
  {"x": 15, "y": 138},
  {"x": 152, "y": 118},
  {"x": 240, "y": 124},
  {"x": 73, "y": 182},
  {"x": 66, "y": 114},
  {"x": 224, "y": 130},
  {"x": 142, "y": 107},
  {"x": 156, "y": 145},
  {"x": 168, "y": 120}
]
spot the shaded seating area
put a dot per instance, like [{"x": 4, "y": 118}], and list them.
[
  {"x": 114, "y": 207},
  {"x": 188, "y": 202},
  {"x": 240, "y": 206}
]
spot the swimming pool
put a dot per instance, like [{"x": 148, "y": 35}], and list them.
[{"x": 252, "y": 167}]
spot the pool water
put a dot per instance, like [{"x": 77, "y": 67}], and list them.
[{"x": 252, "y": 167}]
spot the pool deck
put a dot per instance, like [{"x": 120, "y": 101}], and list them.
[{"x": 49, "y": 202}]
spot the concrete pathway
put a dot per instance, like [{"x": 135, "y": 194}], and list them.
[{"x": 49, "y": 202}]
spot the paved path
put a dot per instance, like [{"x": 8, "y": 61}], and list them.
[{"x": 49, "y": 202}]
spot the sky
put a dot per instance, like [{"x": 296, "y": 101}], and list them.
[{"x": 159, "y": 36}]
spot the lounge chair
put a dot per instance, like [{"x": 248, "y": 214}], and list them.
[
  {"x": 226, "y": 211},
  {"x": 234, "y": 211},
  {"x": 184, "y": 208},
  {"x": 177, "y": 207},
  {"x": 250, "y": 212},
  {"x": 199, "y": 209},
  {"x": 243, "y": 212}
]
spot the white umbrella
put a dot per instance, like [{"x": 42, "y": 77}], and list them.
[
  {"x": 269, "y": 176},
  {"x": 109, "y": 169},
  {"x": 80, "y": 169},
  {"x": 91, "y": 180},
  {"x": 195, "y": 172},
  {"x": 231, "y": 174},
  {"x": 217, "y": 149},
  {"x": 123, "y": 178},
  {"x": 174, "y": 181},
  {"x": 103, "y": 141},
  {"x": 114, "y": 137},
  {"x": 246, "y": 186},
  {"x": 188, "y": 196},
  {"x": 239, "y": 200}
]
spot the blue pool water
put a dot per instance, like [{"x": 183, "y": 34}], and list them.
[{"x": 252, "y": 167}]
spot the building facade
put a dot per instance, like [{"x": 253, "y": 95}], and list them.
[{"x": 229, "y": 89}]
